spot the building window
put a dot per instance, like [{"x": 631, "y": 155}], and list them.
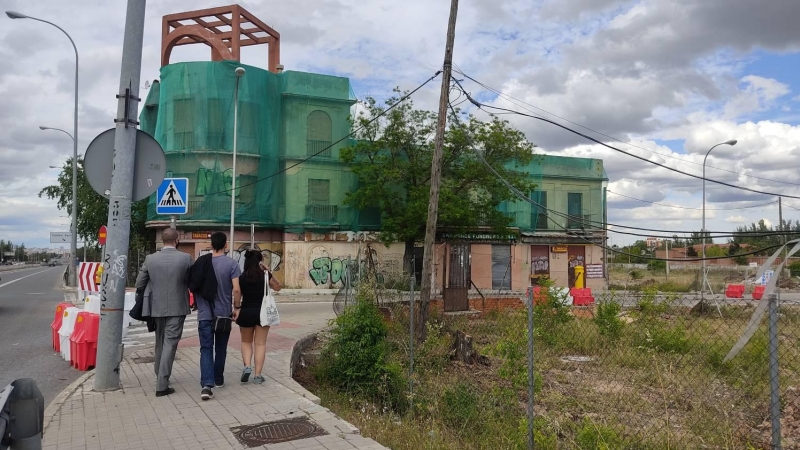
[
  {"x": 501, "y": 267},
  {"x": 319, "y": 208},
  {"x": 574, "y": 210},
  {"x": 216, "y": 124},
  {"x": 539, "y": 213},
  {"x": 319, "y": 134},
  {"x": 183, "y": 118},
  {"x": 247, "y": 139}
]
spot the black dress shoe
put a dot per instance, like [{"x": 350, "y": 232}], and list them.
[{"x": 167, "y": 391}]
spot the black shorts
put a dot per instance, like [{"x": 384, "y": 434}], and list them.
[{"x": 249, "y": 317}]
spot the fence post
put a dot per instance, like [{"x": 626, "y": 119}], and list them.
[
  {"x": 529, "y": 296},
  {"x": 774, "y": 394},
  {"x": 411, "y": 343}
]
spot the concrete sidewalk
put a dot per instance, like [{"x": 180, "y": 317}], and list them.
[{"x": 134, "y": 418}]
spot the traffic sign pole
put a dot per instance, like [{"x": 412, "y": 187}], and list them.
[{"x": 115, "y": 263}]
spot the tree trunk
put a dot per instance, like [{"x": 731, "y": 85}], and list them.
[{"x": 464, "y": 351}]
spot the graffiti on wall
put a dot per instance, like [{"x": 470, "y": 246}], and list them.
[
  {"x": 540, "y": 265},
  {"x": 272, "y": 259},
  {"x": 211, "y": 181},
  {"x": 327, "y": 270}
]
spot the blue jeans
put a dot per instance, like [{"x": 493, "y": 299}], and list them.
[{"x": 212, "y": 367}]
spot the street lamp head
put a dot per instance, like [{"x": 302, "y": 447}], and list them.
[
  {"x": 731, "y": 142},
  {"x": 42, "y": 127},
  {"x": 239, "y": 71},
  {"x": 15, "y": 15}
]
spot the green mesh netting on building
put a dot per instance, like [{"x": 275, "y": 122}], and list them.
[
  {"x": 287, "y": 117},
  {"x": 283, "y": 118}
]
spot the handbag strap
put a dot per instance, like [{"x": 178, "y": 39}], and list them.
[{"x": 266, "y": 283}]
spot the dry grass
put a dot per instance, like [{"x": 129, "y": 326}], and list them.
[{"x": 661, "y": 384}]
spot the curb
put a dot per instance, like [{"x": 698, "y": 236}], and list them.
[{"x": 54, "y": 406}]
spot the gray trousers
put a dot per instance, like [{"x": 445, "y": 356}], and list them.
[{"x": 168, "y": 334}]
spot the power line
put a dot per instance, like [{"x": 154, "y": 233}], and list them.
[
  {"x": 348, "y": 135},
  {"x": 694, "y": 209},
  {"x": 699, "y": 177},
  {"x": 511, "y": 99},
  {"x": 516, "y": 192}
]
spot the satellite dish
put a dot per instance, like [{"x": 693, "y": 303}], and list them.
[{"x": 147, "y": 85}]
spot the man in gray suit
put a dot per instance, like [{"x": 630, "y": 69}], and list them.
[{"x": 164, "y": 274}]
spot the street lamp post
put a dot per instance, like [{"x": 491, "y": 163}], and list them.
[
  {"x": 73, "y": 245},
  {"x": 703, "y": 229},
  {"x": 239, "y": 73}
]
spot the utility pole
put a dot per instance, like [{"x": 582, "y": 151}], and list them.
[
  {"x": 115, "y": 264},
  {"x": 667, "y": 258},
  {"x": 436, "y": 171}
]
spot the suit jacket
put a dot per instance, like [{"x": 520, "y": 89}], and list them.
[{"x": 164, "y": 275}]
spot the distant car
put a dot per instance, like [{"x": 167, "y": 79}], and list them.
[{"x": 52, "y": 263}]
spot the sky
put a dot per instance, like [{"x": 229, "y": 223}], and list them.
[{"x": 662, "y": 79}]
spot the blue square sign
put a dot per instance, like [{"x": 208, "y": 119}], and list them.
[{"x": 172, "y": 196}]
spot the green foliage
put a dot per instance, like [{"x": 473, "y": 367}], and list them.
[
  {"x": 714, "y": 251},
  {"x": 636, "y": 275},
  {"x": 649, "y": 307},
  {"x": 592, "y": 435},
  {"x": 657, "y": 266},
  {"x": 668, "y": 339},
  {"x": 392, "y": 158},
  {"x": 92, "y": 208},
  {"x": 607, "y": 320},
  {"x": 550, "y": 315},
  {"x": 794, "y": 268},
  {"x": 356, "y": 359},
  {"x": 433, "y": 354},
  {"x": 460, "y": 406}
]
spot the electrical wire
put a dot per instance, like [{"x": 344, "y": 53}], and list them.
[
  {"x": 348, "y": 135},
  {"x": 699, "y": 177},
  {"x": 694, "y": 209},
  {"x": 511, "y": 99},
  {"x": 522, "y": 196}
]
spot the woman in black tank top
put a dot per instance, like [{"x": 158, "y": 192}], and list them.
[{"x": 254, "y": 336}]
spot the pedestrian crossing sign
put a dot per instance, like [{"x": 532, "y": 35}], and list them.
[{"x": 172, "y": 196}]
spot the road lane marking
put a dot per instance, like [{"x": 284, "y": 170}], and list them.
[{"x": 22, "y": 278}]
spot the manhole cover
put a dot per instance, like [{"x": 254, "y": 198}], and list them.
[
  {"x": 278, "y": 431},
  {"x": 147, "y": 359}
]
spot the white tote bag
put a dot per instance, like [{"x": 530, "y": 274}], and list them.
[{"x": 269, "y": 309}]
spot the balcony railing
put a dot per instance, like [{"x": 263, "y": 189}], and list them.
[
  {"x": 322, "y": 213},
  {"x": 312, "y": 147}
]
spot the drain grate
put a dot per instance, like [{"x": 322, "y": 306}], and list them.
[{"x": 278, "y": 431}]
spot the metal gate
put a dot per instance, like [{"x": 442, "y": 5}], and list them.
[{"x": 456, "y": 291}]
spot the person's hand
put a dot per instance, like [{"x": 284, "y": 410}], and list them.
[{"x": 235, "y": 314}]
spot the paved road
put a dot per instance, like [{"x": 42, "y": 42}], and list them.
[{"x": 27, "y": 303}]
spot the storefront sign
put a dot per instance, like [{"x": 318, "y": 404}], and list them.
[
  {"x": 478, "y": 237},
  {"x": 594, "y": 271},
  {"x": 201, "y": 235},
  {"x": 558, "y": 249}
]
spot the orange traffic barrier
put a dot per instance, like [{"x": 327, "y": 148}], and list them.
[
  {"x": 758, "y": 292},
  {"x": 83, "y": 342},
  {"x": 55, "y": 325},
  {"x": 734, "y": 291}
]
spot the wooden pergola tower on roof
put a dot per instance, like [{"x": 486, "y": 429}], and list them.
[{"x": 225, "y": 29}]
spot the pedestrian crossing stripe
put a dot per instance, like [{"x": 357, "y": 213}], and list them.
[{"x": 171, "y": 196}]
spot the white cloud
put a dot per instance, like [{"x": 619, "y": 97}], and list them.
[
  {"x": 735, "y": 219},
  {"x": 639, "y": 70}
]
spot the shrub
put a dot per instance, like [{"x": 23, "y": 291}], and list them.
[
  {"x": 794, "y": 268},
  {"x": 665, "y": 339},
  {"x": 636, "y": 275},
  {"x": 657, "y": 266},
  {"x": 434, "y": 353},
  {"x": 608, "y": 324},
  {"x": 549, "y": 315},
  {"x": 356, "y": 357}
]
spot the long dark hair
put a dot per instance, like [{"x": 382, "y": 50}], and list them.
[{"x": 252, "y": 271}]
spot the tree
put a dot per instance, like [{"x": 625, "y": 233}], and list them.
[
  {"x": 691, "y": 252},
  {"x": 392, "y": 159},
  {"x": 93, "y": 208}
]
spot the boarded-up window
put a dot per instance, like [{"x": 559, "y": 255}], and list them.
[
  {"x": 319, "y": 209},
  {"x": 319, "y": 134},
  {"x": 501, "y": 267},
  {"x": 183, "y": 118},
  {"x": 574, "y": 210}
]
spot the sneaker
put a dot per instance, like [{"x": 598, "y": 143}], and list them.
[
  {"x": 258, "y": 379},
  {"x": 219, "y": 385},
  {"x": 206, "y": 394},
  {"x": 246, "y": 374}
]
